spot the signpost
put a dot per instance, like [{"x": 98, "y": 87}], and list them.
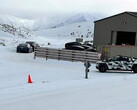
[{"x": 87, "y": 65}]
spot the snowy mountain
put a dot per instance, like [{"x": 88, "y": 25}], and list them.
[
  {"x": 77, "y": 19},
  {"x": 46, "y": 22},
  {"x": 59, "y": 21},
  {"x": 55, "y": 36},
  {"x": 17, "y": 22},
  {"x": 16, "y": 31},
  {"x": 15, "y": 26},
  {"x": 79, "y": 25},
  {"x": 73, "y": 30}
]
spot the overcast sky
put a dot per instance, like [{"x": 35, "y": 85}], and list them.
[{"x": 36, "y": 8}]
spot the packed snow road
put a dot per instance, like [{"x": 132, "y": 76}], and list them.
[
  {"x": 120, "y": 95},
  {"x": 60, "y": 85}
]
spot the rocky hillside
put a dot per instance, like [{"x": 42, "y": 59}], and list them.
[{"x": 16, "y": 31}]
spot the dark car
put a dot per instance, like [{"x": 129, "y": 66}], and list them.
[
  {"x": 69, "y": 45},
  {"x": 118, "y": 63},
  {"x": 86, "y": 46},
  {"x": 91, "y": 49},
  {"x": 89, "y": 43},
  {"x": 76, "y": 47},
  {"x": 79, "y": 46},
  {"x": 33, "y": 44},
  {"x": 24, "y": 48}
]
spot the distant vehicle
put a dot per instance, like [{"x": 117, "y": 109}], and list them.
[
  {"x": 76, "y": 47},
  {"x": 33, "y": 44},
  {"x": 118, "y": 63},
  {"x": 86, "y": 46},
  {"x": 70, "y": 44},
  {"x": 91, "y": 49},
  {"x": 24, "y": 48},
  {"x": 89, "y": 43}
]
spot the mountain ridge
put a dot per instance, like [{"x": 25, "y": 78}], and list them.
[{"x": 45, "y": 22}]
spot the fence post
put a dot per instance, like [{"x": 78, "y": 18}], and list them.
[
  {"x": 87, "y": 65},
  {"x": 35, "y": 55}
]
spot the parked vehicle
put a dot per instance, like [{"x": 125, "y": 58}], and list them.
[
  {"x": 24, "y": 48},
  {"x": 86, "y": 46},
  {"x": 33, "y": 44},
  {"x": 76, "y": 47},
  {"x": 89, "y": 43},
  {"x": 118, "y": 63},
  {"x": 69, "y": 45},
  {"x": 91, "y": 49},
  {"x": 79, "y": 46}
]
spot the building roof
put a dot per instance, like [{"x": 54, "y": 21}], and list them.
[
  {"x": 128, "y": 12},
  {"x": 132, "y": 13}
]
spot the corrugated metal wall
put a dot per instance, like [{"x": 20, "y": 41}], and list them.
[
  {"x": 109, "y": 51},
  {"x": 105, "y": 31}
]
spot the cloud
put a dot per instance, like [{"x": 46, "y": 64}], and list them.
[{"x": 34, "y": 8}]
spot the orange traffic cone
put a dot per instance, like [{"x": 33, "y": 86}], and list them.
[{"x": 29, "y": 79}]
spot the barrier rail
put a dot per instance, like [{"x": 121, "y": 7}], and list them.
[{"x": 66, "y": 55}]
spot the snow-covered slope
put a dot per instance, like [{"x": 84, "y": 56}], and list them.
[
  {"x": 16, "y": 26},
  {"x": 55, "y": 36},
  {"x": 16, "y": 31},
  {"x": 15, "y": 21},
  {"x": 68, "y": 33},
  {"x": 80, "y": 24},
  {"x": 46, "y": 22},
  {"x": 79, "y": 29},
  {"x": 77, "y": 19},
  {"x": 59, "y": 21}
]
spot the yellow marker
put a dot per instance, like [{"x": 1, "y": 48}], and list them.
[{"x": 106, "y": 50}]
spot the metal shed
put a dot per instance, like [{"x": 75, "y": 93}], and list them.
[{"x": 120, "y": 29}]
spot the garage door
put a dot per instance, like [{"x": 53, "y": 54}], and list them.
[{"x": 125, "y": 38}]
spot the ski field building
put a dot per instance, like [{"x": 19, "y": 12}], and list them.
[
  {"x": 116, "y": 35},
  {"x": 119, "y": 29}
]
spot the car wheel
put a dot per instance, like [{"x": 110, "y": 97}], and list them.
[
  {"x": 102, "y": 68},
  {"x": 134, "y": 68}
]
